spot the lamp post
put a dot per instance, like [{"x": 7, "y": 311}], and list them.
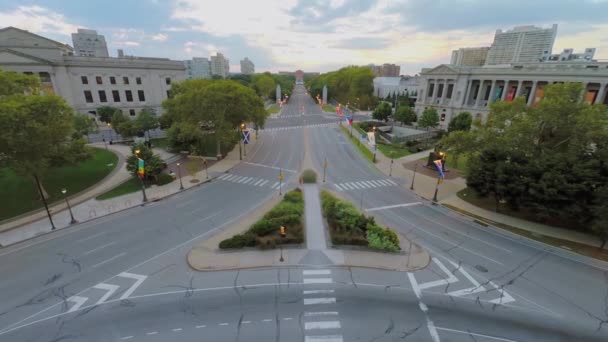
[
  {"x": 324, "y": 169},
  {"x": 141, "y": 178},
  {"x": 243, "y": 137},
  {"x": 390, "y": 170},
  {"x": 414, "y": 177},
  {"x": 436, "y": 190},
  {"x": 206, "y": 168},
  {"x": 179, "y": 174},
  {"x": 240, "y": 141},
  {"x": 375, "y": 143},
  {"x": 72, "y": 219},
  {"x": 110, "y": 126}
]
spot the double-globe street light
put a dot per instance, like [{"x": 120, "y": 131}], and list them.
[{"x": 72, "y": 219}]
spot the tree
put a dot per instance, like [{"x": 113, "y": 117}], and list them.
[
  {"x": 105, "y": 113},
  {"x": 127, "y": 128},
  {"x": 405, "y": 115},
  {"x": 153, "y": 164},
  {"x": 600, "y": 213},
  {"x": 382, "y": 111},
  {"x": 461, "y": 122},
  {"x": 429, "y": 118},
  {"x": 83, "y": 125},
  {"x": 346, "y": 84},
  {"x": 12, "y": 83},
  {"x": 264, "y": 85},
  {"x": 145, "y": 121}
]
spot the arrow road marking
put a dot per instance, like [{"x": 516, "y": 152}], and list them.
[
  {"x": 139, "y": 279},
  {"x": 78, "y": 300},
  {"x": 108, "y": 287},
  {"x": 451, "y": 278}
]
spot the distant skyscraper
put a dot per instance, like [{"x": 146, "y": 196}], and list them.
[
  {"x": 385, "y": 70},
  {"x": 89, "y": 43},
  {"x": 198, "y": 67},
  {"x": 523, "y": 44},
  {"x": 470, "y": 56},
  {"x": 247, "y": 66},
  {"x": 220, "y": 65}
]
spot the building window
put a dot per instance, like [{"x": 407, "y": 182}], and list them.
[
  {"x": 88, "y": 96},
  {"x": 45, "y": 77},
  {"x": 132, "y": 112},
  {"x": 442, "y": 116},
  {"x": 98, "y": 80},
  {"x": 112, "y": 80},
  {"x": 140, "y": 94},
  {"x": 125, "y": 80},
  {"x": 129, "y": 95},
  {"x": 116, "y": 95},
  {"x": 138, "y": 80},
  {"x": 168, "y": 80},
  {"x": 84, "y": 80},
  {"x": 450, "y": 91},
  {"x": 168, "y": 94},
  {"x": 102, "y": 96}
]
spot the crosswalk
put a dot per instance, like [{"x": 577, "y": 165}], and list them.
[
  {"x": 320, "y": 324},
  {"x": 367, "y": 184},
  {"x": 331, "y": 124},
  {"x": 252, "y": 181}
]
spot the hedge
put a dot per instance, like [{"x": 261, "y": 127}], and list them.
[{"x": 309, "y": 176}]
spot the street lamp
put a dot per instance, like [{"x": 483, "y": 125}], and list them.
[
  {"x": 73, "y": 220},
  {"x": 110, "y": 127},
  {"x": 390, "y": 171},
  {"x": 243, "y": 137},
  {"x": 240, "y": 141},
  {"x": 179, "y": 173},
  {"x": 141, "y": 178},
  {"x": 375, "y": 143},
  {"x": 414, "y": 176}
]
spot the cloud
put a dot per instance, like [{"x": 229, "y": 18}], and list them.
[
  {"x": 39, "y": 20},
  {"x": 126, "y": 43},
  {"x": 200, "y": 49},
  {"x": 361, "y": 43},
  {"x": 161, "y": 37}
]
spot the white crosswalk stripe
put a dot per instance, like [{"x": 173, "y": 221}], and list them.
[
  {"x": 390, "y": 181},
  {"x": 224, "y": 176},
  {"x": 338, "y": 187},
  {"x": 264, "y": 182},
  {"x": 376, "y": 182},
  {"x": 364, "y": 184},
  {"x": 370, "y": 184},
  {"x": 230, "y": 177},
  {"x": 275, "y": 185},
  {"x": 258, "y": 182},
  {"x": 249, "y": 179}
]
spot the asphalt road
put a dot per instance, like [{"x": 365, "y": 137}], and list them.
[{"x": 124, "y": 276}]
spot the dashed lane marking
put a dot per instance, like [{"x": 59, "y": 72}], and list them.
[
  {"x": 315, "y": 272},
  {"x": 313, "y": 301},
  {"x": 317, "y": 280},
  {"x": 322, "y": 325},
  {"x": 317, "y": 291}
]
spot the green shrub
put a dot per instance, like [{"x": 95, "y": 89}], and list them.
[
  {"x": 262, "y": 227},
  {"x": 346, "y": 215},
  {"x": 350, "y": 239},
  {"x": 328, "y": 204},
  {"x": 286, "y": 220},
  {"x": 382, "y": 239},
  {"x": 163, "y": 179},
  {"x": 285, "y": 208},
  {"x": 309, "y": 176},
  {"x": 238, "y": 241},
  {"x": 294, "y": 196}
]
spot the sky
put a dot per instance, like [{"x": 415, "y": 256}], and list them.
[{"x": 312, "y": 35}]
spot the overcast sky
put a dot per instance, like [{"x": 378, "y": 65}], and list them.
[{"x": 313, "y": 35}]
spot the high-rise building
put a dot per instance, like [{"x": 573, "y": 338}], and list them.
[
  {"x": 220, "y": 65},
  {"x": 198, "y": 67},
  {"x": 386, "y": 70},
  {"x": 470, "y": 56},
  {"x": 568, "y": 55},
  {"x": 89, "y": 43},
  {"x": 247, "y": 66},
  {"x": 523, "y": 44}
]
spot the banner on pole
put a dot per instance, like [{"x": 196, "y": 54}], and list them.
[
  {"x": 246, "y": 136},
  {"x": 439, "y": 166},
  {"x": 140, "y": 168}
]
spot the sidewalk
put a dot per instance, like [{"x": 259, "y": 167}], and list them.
[
  {"x": 424, "y": 186},
  {"x": 85, "y": 207}
]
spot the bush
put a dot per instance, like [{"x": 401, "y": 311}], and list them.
[
  {"x": 285, "y": 208},
  {"x": 262, "y": 227},
  {"x": 309, "y": 176},
  {"x": 294, "y": 196},
  {"x": 238, "y": 241},
  {"x": 382, "y": 239},
  {"x": 163, "y": 179},
  {"x": 328, "y": 204}
]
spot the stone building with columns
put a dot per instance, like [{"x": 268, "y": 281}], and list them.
[{"x": 452, "y": 89}]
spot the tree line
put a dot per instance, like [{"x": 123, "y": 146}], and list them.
[{"x": 352, "y": 84}]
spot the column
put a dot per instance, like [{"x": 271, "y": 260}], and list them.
[
  {"x": 490, "y": 100},
  {"x": 478, "y": 101},
  {"x": 532, "y": 93},
  {"x": 467, "y": 94},
  {"x": 583, "y": 92},
  {"x": 599, "y": 99},
  {"x": 520, "y": 85},
  {"x": 445, "y": 90},
  {"x": 505, "y": 90},
  {"x": 434, "y": 95}
]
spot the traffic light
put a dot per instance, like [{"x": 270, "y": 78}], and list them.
[{"x": 282, "y": 231}]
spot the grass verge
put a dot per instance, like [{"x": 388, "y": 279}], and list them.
[
  {"x": 123, "y": 188},
  {"x": 393, "y": 152},
  {"x": 329, "y": 108},
  {"x": 273, "y": 109},
  {"x": 160, "y": 143},
  {"x": 369, "y": 155},
  {"x": 18, "y": 194}
]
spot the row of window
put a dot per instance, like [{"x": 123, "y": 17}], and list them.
[
  {"x": 131, "y": 112},
  {"x": 125, "y": 80},
  {"x": 88, "y": 96}
]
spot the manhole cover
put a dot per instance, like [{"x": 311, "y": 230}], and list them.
[{"x": 481, "y": 268}]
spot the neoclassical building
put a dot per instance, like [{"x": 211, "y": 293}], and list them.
[
  {"x": 87, "y": 83},
  {"x": 452, "y": 89}
]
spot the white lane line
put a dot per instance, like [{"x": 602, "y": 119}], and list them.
[
  {"x": 267, "y": 320},
  {"x": 313, "y": 301},
  {"x": 224, "y": 176},
  {"x": 78, "y": 300},
  {"x": 107, "y": 287},
  {"x": 315, "y": 272},
  {"x": 385, "y": 183},
  {"x": 275, "y": 185},
  {"x": 258, "y": 182},
  {"x": 378, "y": 182},
  {"x": 338, "y": 187},
  {"x": 321, "y": 313},
  {"x": 287, "y": 318},
  {"x": 264, "y": 182},
  {"x": 370, "y": 184},
  {"x": 327, "y": 338},
  {"x": 243, "y": 179},
  {"x": 108, "y": 260},
  {"x": 139, "y": 279},
  {"x": 230, "y": 178},
  {"x": 317, "y": 280},
  {"x": 429, "y": 323},
  {"x": 152, "y": 333},
  {"x": 249, "y": 179},
  {"x": 317, "y": 291},
  {"x": 450, "y": 279},
  {"x": 322, "y": 325},
  {"x": 394, "y": 206},
  {"x": 245, "y": 322},
  {"x": 200, "y": 326},
  {"x": 476, "y": 334},
  {"x": 390, "y": 181},
  {"x": 176, "y": 329},
  {"x": 223, "y": 324},
  {"x": 100, "y": 247},
  {"x": 90, "y": 237},
  {"x": 126, "y": 338}
]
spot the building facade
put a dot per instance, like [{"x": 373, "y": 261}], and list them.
[
  {"x": 568, "y": 55},
  {"x": 87, "y": 83},
  {"x": 452, "y": 89},
  {"x": 523, "y": 44},
  {"x": 198, "y": 67},
  {"x": 386, "y": 86},
  {"x": 220, "y": 65},
  {"x": 386, "y": 70},
  {"x": 89, "y": 43},
  {"x": 247, "y": 66},
  {"x": 470, "y": 56}
]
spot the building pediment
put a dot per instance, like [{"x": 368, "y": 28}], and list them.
[
  {"x": 8, "y": 56},
  {"x": 442, "y": 69}
]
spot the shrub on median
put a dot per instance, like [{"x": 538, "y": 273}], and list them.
[{"x": 309, "y": 176}]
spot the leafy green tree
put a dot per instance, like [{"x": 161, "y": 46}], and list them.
[
  {"x": 146, "y": 121},
  {"x": 405, "y": 115},
  {"x": 461, "y": 122},
  {"x": 153, "y": 164},
  {"x": 83, "y": 125},
  {"x": 429, "y": 118},
  {"x": 348, "y": 84},
  {"x": 12, "y": 83},
  {"x": 264, "y": 85},
  {"x": 105, "y": 113},
  {"x": 458, "y": 143},
  {"x": 382, "y": 111}
]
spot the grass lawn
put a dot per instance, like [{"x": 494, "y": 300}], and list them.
[
  {"x": 369, "y": 155},
  {"x": 393, "y": 152},
  {"x": 329, "y": 108},
  {"x": 462, "y": 162},
  {"x": 160, "y": 143},
  {"x": 132, "y": 185},
  {"x": 272, "y": 109},
  {"x": 19, "y": 195}
]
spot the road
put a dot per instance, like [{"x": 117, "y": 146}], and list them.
[{"x": 124, "y": 276}]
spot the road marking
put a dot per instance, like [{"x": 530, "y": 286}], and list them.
[
  {"x": 126, "y": 338},
  {"x": 394, "y": 206},
  {"x": 390, "y": 181},
  {"x": 317, "y": 280},
  {"x": 317, "y": 291},
  {"x": 315, "y": 272},
  {"x": 245, "y": 322},
  {"x": 267, "y": 320},
  {"x": 223, "y": 323},
  {"x": 264, "y": 182},
  {"x": 78, "y": 300},
  {"x": 379, "y": 182},
  {"x": 152, "y": 333},
  {"x": 224, "y": 176},
  {"x": 258, "y": 182},
  {"x": 429, "y": 323},
  {"x": 312, "y": 301},
  {"x": 384, "y": 182},
  {"x": 355, "y": 185},
  {"x": 200, "y": 326},
  {"x": 229, "y": 178},
  {"x": 270, "y": 167},
  {"x": 108, "y": 260},
  {"x": 369, "y": 183},
  {"x": 287, "y": 318},
  {"x": 322, "y": 325},
  {"x": 108, "y": 287},
  {"x": 139, "y": 279},
  {"x": 450, "y": 279},
  {"x": 275, "y": 185},
  {"x": 321, "y": 313},
  {"x": 338, "y": 187},
  {"x": 90, "y": 237},
  {"x": 346, "y": 187},
  {"x": 332, "y": 338},
  {"x": 243, "y": 179},
  {"x": 249, "y": 179},
  {"x": 100, "y": 247},
  {"x": 476, "y": 334}
]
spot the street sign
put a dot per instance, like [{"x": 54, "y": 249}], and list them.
[
  {"x": 281, "y": 175},
  {"x": 140, "y": 168},
  {"x": 246, "y": 136},
  {"x": 282, "y": 231}
]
